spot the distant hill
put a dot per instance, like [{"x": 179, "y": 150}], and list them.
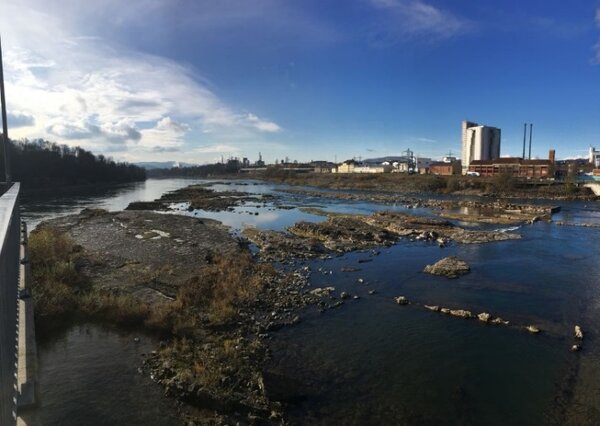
[{"x": 153, "y": 165}]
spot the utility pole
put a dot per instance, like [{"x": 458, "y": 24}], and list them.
[{"x": 5, "y": 147}]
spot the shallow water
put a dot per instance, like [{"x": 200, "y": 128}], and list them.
[
  {"x": 372, "y": 361},
  {"x": 89, "y": 376}
]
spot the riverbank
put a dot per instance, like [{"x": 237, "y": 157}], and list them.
[
  {"x": 184, "y": 279},
  {"x": 493, "y": 187}
]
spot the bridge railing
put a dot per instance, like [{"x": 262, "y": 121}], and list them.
[{"x": 10, "y": 232}]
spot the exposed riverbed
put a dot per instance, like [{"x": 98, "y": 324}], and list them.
[{"x": 371, "y": 360}]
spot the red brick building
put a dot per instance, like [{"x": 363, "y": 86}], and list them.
[
  {"x": 516, "y": 167},
  {"x": 445, "y": 169}
]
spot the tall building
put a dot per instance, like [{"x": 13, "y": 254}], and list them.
[
  {"x": 479, "y": 143},
  {"x": 594, "y": 157}
]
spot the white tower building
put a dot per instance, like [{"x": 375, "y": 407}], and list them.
[{"x": 479, "y": 143}]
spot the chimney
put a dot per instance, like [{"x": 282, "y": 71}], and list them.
[
  {"x": 524, "y": 138},
  {"x": 552, "y": 156}
]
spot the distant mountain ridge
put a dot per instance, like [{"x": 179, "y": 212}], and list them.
[{"x": 152, "y": 165}]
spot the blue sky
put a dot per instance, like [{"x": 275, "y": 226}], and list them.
[{"x": 155, "y": 80}]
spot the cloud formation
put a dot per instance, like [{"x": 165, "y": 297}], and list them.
[
  {"x": 402, "y": 20},
  {"x": 85, "y": 90}
]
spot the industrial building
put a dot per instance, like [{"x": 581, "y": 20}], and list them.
[
  {"x": 479, "y": 142},
  {"x": 445, "y": 168},
  {"x": 515, "y": 167},
  {"x": 594, "y": 157}
]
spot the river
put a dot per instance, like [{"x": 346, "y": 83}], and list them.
[{"x": 372, "y": 361}]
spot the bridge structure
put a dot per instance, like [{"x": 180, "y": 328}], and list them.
[{"x": 18, "y": 350}]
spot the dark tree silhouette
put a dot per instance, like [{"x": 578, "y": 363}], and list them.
[{"x": 40, "y": 163}]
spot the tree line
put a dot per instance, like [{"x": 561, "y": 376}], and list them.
[{"x": 41, "y": 163}]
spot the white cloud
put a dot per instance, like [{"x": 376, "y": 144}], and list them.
[
  {"x": 218, "y": 149},
  {"x": 405, "y": 19},
  {"x": 81, "y": 90},
  {"x": 262, "y": 125}
]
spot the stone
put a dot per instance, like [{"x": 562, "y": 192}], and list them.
[
  {"x": 500, "y": 321},
  {"x": 461, "y": 313},
  {"x": 578, "y": 333},
  {"x": 484, "y": 317},
  {"x": 322, "y": 291},
  {"x": 451, "y": 267},
  {"x": 401, "y": 300},
  {"x": 532, "y": 329}
]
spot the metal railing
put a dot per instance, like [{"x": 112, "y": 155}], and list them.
[{"x": 10, "y": 241}]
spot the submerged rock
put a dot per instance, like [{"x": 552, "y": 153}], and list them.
[
  {"x": 401, "y": 300},
  {"x": 451, "y": 267},
  {"x": 578, "y": 333},
  {"x": 500, "y": 321},
  {"x": 322, "y": 291}
]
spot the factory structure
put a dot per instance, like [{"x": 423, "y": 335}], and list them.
[{"x": 479, "y": 142}]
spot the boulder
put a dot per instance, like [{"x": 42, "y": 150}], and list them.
[
  {"x": 578, "y": 333},
  {"x": 460, "y": 313},
  {"x": 322, "y": 291},
  {"x": 401, "y": 300},
  {"x": 451, "y": 267},
  {"x": 433, "y": 308},
  {"x": 500, "y": 321},
  {"x": 484, "y": 317}
]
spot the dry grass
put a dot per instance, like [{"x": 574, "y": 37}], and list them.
[{"x": 211, "y": 297}]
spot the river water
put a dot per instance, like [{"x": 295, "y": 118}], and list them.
[{"x": 372, "y": 361}]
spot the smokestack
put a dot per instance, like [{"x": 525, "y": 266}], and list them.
[
  {"x": 524, "y": 138},
  {"x": 530, "y": 131},
  {"x": 552, "y": 155}
]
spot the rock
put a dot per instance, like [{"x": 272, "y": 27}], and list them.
[
  {"x": 532, "y": 329},
  {"x": 344, "y": 295},
  {"x": 444, "y": 310},
  {"x": 360, "y": 280},
  {"x": 500, "y": 321},
  {"x": 575, "y": 348},
  {"x": 322, "y": 291},
  {"x": 451, "y": 267},
  {"x": 578, "y": 333},
  {"x": 372, "y": 291},
  {"x": 484, "y": 317},
  {"x": 461, "y": 313},
  {"x": 401, "y": 300},
  {"x": 433, "y": 308}
]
